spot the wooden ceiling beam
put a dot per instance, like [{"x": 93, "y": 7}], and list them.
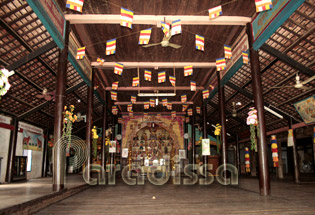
[
  {"x": 154, "y": 20},
  {"x": 153, "y": 88},
  {"x": 141, "y": 103},
  {"x": 107, "y": 65}
]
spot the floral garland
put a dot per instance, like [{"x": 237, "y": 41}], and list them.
[
  {"x": 217, "y": 133},
  {"x": 252, "y": 121},
  {"x": 4, "y": 81},
  {"x": 274, "y": 150},
  {"x": 94, "y": 142},
  {"x": 69, "y": 119}
]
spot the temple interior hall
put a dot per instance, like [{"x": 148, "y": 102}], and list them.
[{"x": 157, "y": 107}]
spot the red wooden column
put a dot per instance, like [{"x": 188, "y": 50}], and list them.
[
  {"x": 61, "y": 79},
  {"x": 104, "y": 130},
  {"x": 89, "y": 124},
  {"x": 264, "y": 180},
  {"x": 223, "y": 121}
]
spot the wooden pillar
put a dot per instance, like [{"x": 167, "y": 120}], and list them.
[
  {"x": 61, "y": 79},
  {"x": 280, "y": 168},
  {"x": 104, "y": 131},
  {"x": 314, "y": 149},
  {"x": 12, "y": 150},
  {"x": 295, "y": 157},
  {"x": 204, "y": 133},
  {"x": 223, "y": 121},
  {"x": 89, "y": 126},
  {"x": 186, "y": 141},
  {"x": 264, "y": 180},
  {"x": 112, "y": 155},
  {"x": 193, "y": 137},
  {"x": 45, "y": 157},
  {"x": 237, "y": 150}
]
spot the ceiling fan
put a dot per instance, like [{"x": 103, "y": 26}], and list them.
[
  {"x": 298, "y": 83},
  {"x": 234, "y": 110},
  {"x": 164, "y": 43},
  {"x": 81, "y": 117},
  {"x": 48, "y": 96}
]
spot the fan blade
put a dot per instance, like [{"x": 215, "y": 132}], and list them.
[
  {"x": 308, "y": 80},
  {"x": 149, "y": 45},
  {"x": 39, "y": 96},
  {"x": 281, "y": 87},
  {"x": 305, "y": 88},
  {"x": 47, "y": 97},
  {"x": 175, "y": 46}
]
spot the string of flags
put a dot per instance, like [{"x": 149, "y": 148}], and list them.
[
  {"x": 118, "y": 69},
  {"x": 147, "y": 75},
  {"x": 129, "y": 107},
  {"x": 161, "y": 77},
  {"x": 183, "y": 98},
  {"x": 245, "y": 57},
  {"x": 274, "y": 150},
  {"x": 188, "y": 70},
  {"x": 146, "y": 105},
  {"x": 111, "y": 47},
  {"x": 262, "y": 5},
  {"x": 152, "y": 103},
  {"x": 184, "y": 108},
  {"x": 100, "y": 60},
  {"x": 164, "y": 102},
  {"x": 169, "y": 106},
  {"x": 114, "y": 110},
  {"x": 80, "y": 53},
  {"x": 113, "y": 95},
  {"x": 176, "y": 27},
  {"x": 76, "y": 5},
  {"x": 200, "y": 42},
  {"x": 126, "y": 17},
  {"x": 173, "y": 114},
  {"x": 205, "y": 94},
  {"x": 198, "y": 110},
  {"x": 165, "y": 28},
  {"x": 193, "y": 86},
  {"x": 190, "y": 112},
  {"x": 215, "y": 12},
  {"x": 172, "y": 80},
  {"x": 135, "y": 81},
  {"x": 115, "y": 85},
  {"x": 220, "y": 64},
  {"x": 133, "y": 99},
  {"x": 227, "y": 52},
  {"x": 145, "y": 36}
]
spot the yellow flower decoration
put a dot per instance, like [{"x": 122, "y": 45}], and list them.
[{"x": 217, "y": 131}]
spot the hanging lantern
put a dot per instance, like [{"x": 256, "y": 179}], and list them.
[
  {"x": 274, "y": 149},
  {"x": 247, "y": 160}
]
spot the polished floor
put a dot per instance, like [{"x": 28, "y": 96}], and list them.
[
  {"x": 286, "y": 198},
  {"x": 24, "y": 191}
]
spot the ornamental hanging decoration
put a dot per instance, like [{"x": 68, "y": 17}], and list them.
[
  {"x": 80, "y": 53},
  {"x": 247, "y": 160},
  {"x": 94, "y": 141},
  {"x": 76, "y": 5},
  {"x": 4, "y": 81},
  {"x": 252, "y": 121},
  {"x": 227, "y": 52},
  {"x": 274, "y": 150},
  {"x": 217, "y": 133},
  {"x": 68, "y": 119}
]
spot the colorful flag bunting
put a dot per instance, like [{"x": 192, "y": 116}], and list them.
[
  {"x": 146, "y": 105},
  {"x": 228, "y": 52},
  {"x": 200, "y": 42},
  {"x": 187, "y": 119},
  {"x": 184, "y": 108},
  {"x": 111, "y": 46},
  {"x": 161, "y": 77},
  {"x": 113, "y": 95},
  {"x": 205, "y": 94},
  {"x": 133, "y": 99},
  {"x": 115, "y": 85},
  {"x": 173, "y": 114},
  {"x": 169, "y": 106},
  {"x": 129, "y": 107},
  {"x": 75, "y": 5},
  {"x": 147, "y": 75},
  {"x": 164, "y": 102},
  {"x": 80, "y": 53},
  {"x": 215, "y": 12},
  {"x": 135, "y": 81},
  {"x": 126, "y": 17},
  {"x": 290, "y": 138},
  {"x": 262, "y": 5},
  {"x": 131, "y": 114},
  {"x": 184, "y": 98},
  {"x": 245, "y": 57},
  {"x": 176, "y": 27},
  {"x": 165, "y": 28},
  {"x": 211, "y": 87},
  {"x": 190, "y": 112},
  {"x": 198, "y": 110},
  {"x": 118, "y": 69},
  {"x": 274, "y": 150},
  {"x": 220, "y": 63},
  {"x": 152, "y": 103},
  {"x": 100, "y": 60},
  {"x": 114, "y": 110},
  {"x": 188, "y": 70},
  {"x": 192, "y": 86},
  {"x": 145, "y": 36},
  {"x": 172, "y": 80}
]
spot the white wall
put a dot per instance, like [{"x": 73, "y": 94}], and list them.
[{"x": 36, "y": 170}]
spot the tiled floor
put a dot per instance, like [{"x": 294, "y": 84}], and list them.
[
  {"x": 286, "y": 198},
  {"x": 17, "y": 193}
]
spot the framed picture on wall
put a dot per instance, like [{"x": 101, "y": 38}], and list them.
[{"x": 306, "y": 109}]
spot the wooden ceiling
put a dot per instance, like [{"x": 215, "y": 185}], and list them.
[{"x": 22, "y": 33}]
